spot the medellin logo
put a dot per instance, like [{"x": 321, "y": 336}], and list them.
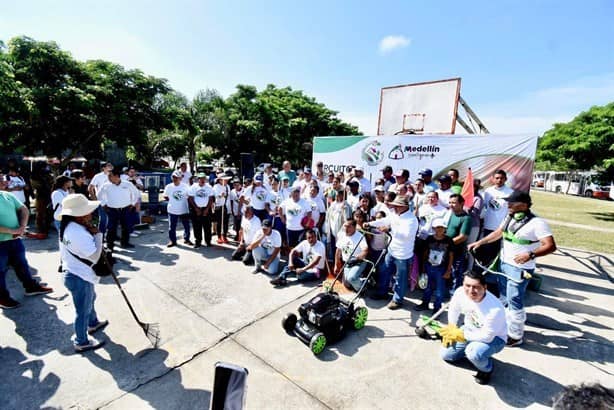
[
  {"x": 372, "y": 154},
  {"x": 396, "y": 152}
]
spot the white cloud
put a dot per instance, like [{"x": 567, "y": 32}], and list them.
[{"x": 391, "y": 43}]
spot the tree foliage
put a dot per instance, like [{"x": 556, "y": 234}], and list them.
[
  {"x": 584, "y": 143},
  {"x": 52, "y": 104}
]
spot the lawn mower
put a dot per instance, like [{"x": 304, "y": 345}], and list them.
[{"x": 326, "y": 317}]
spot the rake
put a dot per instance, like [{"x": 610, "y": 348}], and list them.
[{"x": 151, "y": 330}]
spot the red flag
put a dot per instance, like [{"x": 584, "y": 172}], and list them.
[{"x": 467, "y": 191}]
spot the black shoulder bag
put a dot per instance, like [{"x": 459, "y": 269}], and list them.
[{"x": 104, "y": 265}]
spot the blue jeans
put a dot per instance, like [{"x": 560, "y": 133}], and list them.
[
  {"x": 297, "y": 262},
  {"x": 459, "y": 266},
  {"x": 102, "y": 220},
  {"x": 172, "y": 226},
  {"x": 261, "y": 256},
  {"x": 391, "y": 266},
  {"x": 83, "y": 297},
  {"x": 352, "y": 275},
  {"x": 512, "y": 296},
  {"x": 437, "y": 285},
  {"x": 478, "y": 353},
  {"x": 13, "y": 253}
]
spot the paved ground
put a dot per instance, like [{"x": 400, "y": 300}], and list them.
[{"x": 211, "y": 309}]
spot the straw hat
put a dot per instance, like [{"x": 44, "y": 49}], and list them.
[
  {"x": 78, "y": 205},
  {"x": 400, "y": 200}
]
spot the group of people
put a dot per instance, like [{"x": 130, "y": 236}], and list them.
[{"x": 321, "y": 222}]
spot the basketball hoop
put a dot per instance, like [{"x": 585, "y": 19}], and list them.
[{"x": 412, "y": 124}]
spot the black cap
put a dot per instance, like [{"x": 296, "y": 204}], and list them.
[
  {"x": 445, "y": 178},
  {"x": 519, "y": 196},
  {"x": 387, "y": 168},
  {"x": 267, "y": 223}
]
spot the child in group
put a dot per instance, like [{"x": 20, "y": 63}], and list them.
[{"x": 437, "y": 258}]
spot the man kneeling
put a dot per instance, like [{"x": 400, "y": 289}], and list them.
[
  {"x": 484, "y": 332},
  {"x": 306, "y": 261}
]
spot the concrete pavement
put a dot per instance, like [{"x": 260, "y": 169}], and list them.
[{"x": 210, "y": 308}]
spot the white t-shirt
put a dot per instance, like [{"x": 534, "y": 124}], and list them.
[
  {"x": 201, "y": 194},
  {"x": 483, "y": 321},
  {"x": 316, "y": 205},
  {"x": 274, "y": 199},
  {"x": 257, "y": 196},
  {"x": 347, "y": 244},
  {"x": 234, "y": 198},
  {"x": 495, "y": 207},
  {"x": 177, "y": 198},
  {"x": 98, "y": 181},
  {"x": 311, "y": 252},
  {"x": 15, "y": 182},
  {"x": 118, "y": 196},
  {"x": 380, "y": 206},
  {"x": 403, "y": 230},
  {"x": 56, "y": 202},
  {"x": 353, "y": 200},
  {"x": 295, "y": 212},
  {"x": 187, "y": 176},
  {"x": 250, "y": 227},
  {"x": 427, "y": 213},
  {"x": 534, "y": 230},
  {"x": 444, "y": 197},
  {"x": 269, "y": 242},
  {"x": 83, "y": 244},
  {"x": 221, "y": 192}
]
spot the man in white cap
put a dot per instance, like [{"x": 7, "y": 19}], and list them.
[
  {"x": 256, "y": 195},
  {"x": 13, "y": 222},
  {"x": 295, "y": 211},
  {"x": 176, "y": 193}
]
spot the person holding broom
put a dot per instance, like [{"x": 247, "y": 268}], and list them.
[{"x": 80, "y": 239}]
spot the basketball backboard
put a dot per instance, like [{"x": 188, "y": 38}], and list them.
[{"x": 428, "y": 107}]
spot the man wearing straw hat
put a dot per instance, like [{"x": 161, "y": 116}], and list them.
[{"x": 402, "y": 225}]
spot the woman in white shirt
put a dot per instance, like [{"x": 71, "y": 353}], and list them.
[
  {"x": 61, "y": 189},
  {"x": 80, "y": 247}
]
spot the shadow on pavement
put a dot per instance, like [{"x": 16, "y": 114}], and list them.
[
  {"x": 519, "y": 387},
  {"x": 133, "y": 372},
  {"x": 26, "y": 388}
]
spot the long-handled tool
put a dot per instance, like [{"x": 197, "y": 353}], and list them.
[
  {"x": 421, "y": 330},
  {"x": 524, "y": 274},
  {"x": 151, "y": 330}
]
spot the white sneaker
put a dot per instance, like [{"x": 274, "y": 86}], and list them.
[{"x": 134, "y": 235}]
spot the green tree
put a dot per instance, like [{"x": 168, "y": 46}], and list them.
[{"x": 584, "y": 143}]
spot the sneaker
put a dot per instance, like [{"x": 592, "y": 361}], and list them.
[
  {"x": 220, "y": 240},
  {"x": 171, "y": 244},
  {"x": 482, "y": 377},
  {"x": 100, "y": 325},
  {"x": 38, "y": 290},
  {"x": 511, "y": 342},
  {"x": 134, "y": 235},
  {"x": 188, "y": 242},
  {"x": 394, "y": 305},
  {"x": 8, "y": 303},
  {"x": 278, "y": 281},
  {"x": 225, "y": 239},
  {"x": 257, "y": 270},
  {"x": 92, "y": 344},
  {"x": 422, "y": 306},
  {"x": 196, "y": 245}
]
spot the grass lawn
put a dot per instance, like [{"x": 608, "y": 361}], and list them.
[{"x": 577, "y": 210}]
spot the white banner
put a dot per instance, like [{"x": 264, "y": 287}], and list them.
[{"x": 484, "y": 154}]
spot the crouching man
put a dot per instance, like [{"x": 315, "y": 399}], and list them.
[
  {"x": 484, "y": 332},
  {"x": 306, "y": 261},
  {"x": 265, "y": 249}
]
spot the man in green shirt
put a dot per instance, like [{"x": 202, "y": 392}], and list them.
[
  {"x": 459, "y": 228},
  {"x": 287, "y": 171},
  {"x": 13, "y": 221}
]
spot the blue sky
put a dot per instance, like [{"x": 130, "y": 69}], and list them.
[{"x": 523, "y": 64}]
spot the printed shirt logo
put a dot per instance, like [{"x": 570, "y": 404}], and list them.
[
  {"x": 474, "y": 319},
  {"x": 372, "y": 154},
  {"x": 261, "y": 195},
  {"x": 202, "y": 193},
  {"x": 178, "y": 195},
  {"x": 494, "y": 204},
  {"x": 346, "y": 248},
  {"x": 294, "y": 210}
]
